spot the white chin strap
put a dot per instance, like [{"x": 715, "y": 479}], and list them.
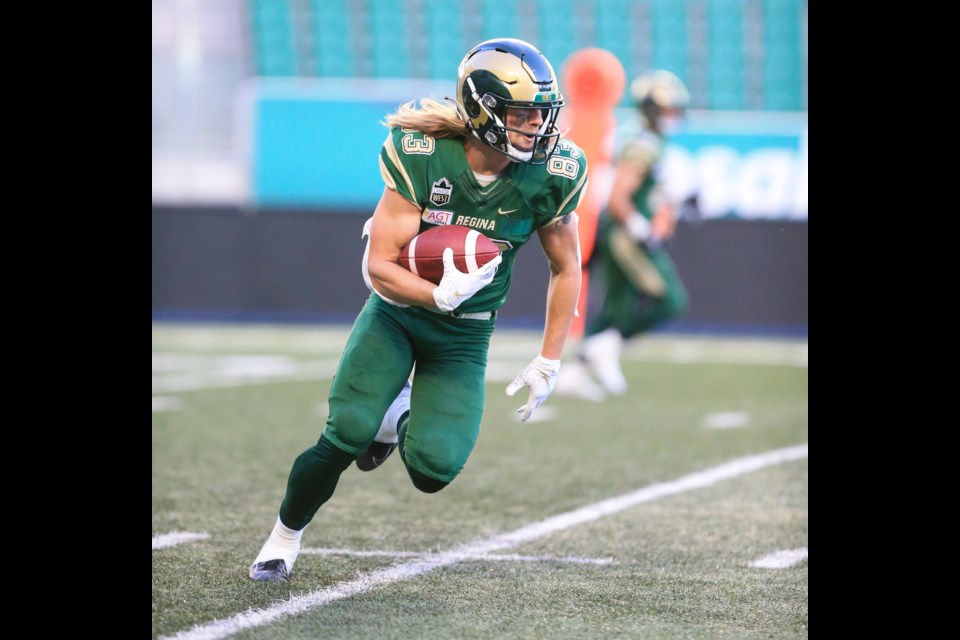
[
  {"x": 519, "y": 155},
  {"x": 526, "y": 155},
  {"x": 512, "y": 151}
]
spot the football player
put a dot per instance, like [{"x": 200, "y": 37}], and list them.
[
  {"x": 642, "y": 288},
  {"x": 493, "y": 160}
]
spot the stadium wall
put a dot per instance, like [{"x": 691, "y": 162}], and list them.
[{"x": 235, "y": 264}]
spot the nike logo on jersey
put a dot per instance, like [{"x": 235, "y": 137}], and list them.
[{"x": 503, "y": 213}]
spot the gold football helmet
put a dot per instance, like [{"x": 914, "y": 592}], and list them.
[
  {"x": 659, "y": 91},
  {"x": 502, "y": 73}
]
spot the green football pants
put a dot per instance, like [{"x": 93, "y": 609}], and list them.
[
  {"x": 449, "y": 359},
  {"x": 642, "y": 288}
]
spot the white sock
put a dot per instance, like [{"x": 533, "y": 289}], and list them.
[
  {"x": 391, "y": 421},
  {"x": 283, "y": 543}
]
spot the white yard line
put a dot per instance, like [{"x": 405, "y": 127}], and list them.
[
  {"x": 322, "y": 551},
  {"x": 726, "y": 420},
  {"x": 166, "y": 403},
  {"x": 223, "y": 379},
  {"x": 176, "y": 537},
  {"x": 780, "y": 559},
  {"x": 424, "y": 564}
]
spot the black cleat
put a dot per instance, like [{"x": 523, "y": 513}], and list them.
[
  {"x": 375, "y": 455},
  {"x": 378, "y": 452},
  {"x": 269, "y": 571}
]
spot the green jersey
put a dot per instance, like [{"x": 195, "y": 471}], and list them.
[
  {"x": 644, "y": 152},
  {"x": 434, "y": 175}
]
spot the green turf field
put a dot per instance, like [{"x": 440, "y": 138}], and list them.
[{"x": 658, "y": 514}]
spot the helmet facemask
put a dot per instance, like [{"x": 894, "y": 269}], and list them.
[{"x": 502, "y": 74}]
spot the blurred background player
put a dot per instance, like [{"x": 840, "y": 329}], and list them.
[
  {"x": 593, "y": 81},
  {"x": 641, "y": 286},
  {"x": 492, "y": 159}
]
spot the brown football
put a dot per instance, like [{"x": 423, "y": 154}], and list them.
[{"x": 424, "y": 254}]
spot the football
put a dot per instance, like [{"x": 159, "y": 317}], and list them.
[{"x": 424, "y": 254}]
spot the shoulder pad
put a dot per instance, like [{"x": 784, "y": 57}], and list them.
[
  {"x": 643, "y": 151},
  {"x": 558, "y": 186},
  {"x": 403, "y": 159}
]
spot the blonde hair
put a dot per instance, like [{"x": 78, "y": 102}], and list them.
[{"x": 434, "y": 118}]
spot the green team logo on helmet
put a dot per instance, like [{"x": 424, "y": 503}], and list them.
[{"x": 503, "y": 73}]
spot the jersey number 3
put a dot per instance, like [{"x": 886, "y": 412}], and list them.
[{"x": 424, "y": 145}]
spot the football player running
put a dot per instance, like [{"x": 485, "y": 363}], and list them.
[
  {"x": 641, "y": 286},
  {"x": 493, "y": 160}
]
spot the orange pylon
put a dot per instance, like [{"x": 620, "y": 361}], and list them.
[{"x": 593, "y": 81}]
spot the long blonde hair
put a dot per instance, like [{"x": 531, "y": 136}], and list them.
[{"x": 434, "y": 118}]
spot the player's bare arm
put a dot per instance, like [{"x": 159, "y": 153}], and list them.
[
  {"x": 664, "y": 221},
  {"x": 396, "y": 221},
  {"x": 561, "y": 245}
]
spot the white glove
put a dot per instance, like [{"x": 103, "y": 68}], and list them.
[
  {"x": 456, "y": 286},
  {"x": 541, "y": 376},
  {"x": 641, "y": 230}
]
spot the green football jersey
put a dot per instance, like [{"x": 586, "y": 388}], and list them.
[
  {"x": 434, "y": 175},
  {"x": 645, "y": 152}
]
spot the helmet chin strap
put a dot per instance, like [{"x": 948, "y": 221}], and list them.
[
  {"x": 512, "y": 152},
  {"x": 526, "y": 155},
  {"x": 519, "y": 155}
]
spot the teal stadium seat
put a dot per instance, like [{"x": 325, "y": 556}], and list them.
[
  {"x": 499, "y": 20},
  {"x": 782, "y": 9},
  {"x": 445, "y": 41},
  {"x": 725, "y": 88},
  {"x": 725, "y": 76},
  {"x": 388, "y": 39},
  {"x": 782, "y": 62},
  {"x": 332, "y": 44},
  {"x": 643, "y": 34},
  {"x": 273, "y": 37},
  {"x": 669, "y": 35},
  {"x": 557, "y": 33},
  {"x": 782, "y": 80},
  {"x": 614, "y": 32}
]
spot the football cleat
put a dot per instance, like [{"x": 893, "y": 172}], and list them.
[
  {"x": 269, "y": 571},
  {"x": 386, "y": 439},
  {"x": 375, "y": 455},
  {"x": 574, "y": 381},
  {"x": 601, "y": 352}
]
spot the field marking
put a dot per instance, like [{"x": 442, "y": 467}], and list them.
[
  {"x": 166, "y": 403},
  {"x": 323, "y": 551},
  {"x": 177, "y": 537},
  {"x": 780, "y": 559},
  {"x": 726, "y": 420},
  {"x": 229, "y": 377},
  {"x": 183, "y": 371},
  {"x": 424, "y": 564}
]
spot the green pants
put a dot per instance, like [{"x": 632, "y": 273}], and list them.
[
  {"x": 449, "y": 359},
  {"x": 641, "y": 287}
]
